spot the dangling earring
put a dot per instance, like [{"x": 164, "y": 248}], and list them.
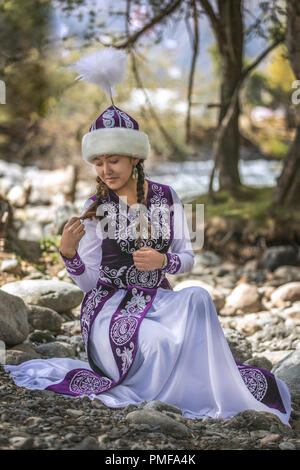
[{"x": 135, "y": 173}]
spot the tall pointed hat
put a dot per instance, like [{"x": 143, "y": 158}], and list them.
[{"x": 113, "y": 131}]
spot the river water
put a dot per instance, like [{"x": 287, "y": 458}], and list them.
[{"x": 191, "y": 178}]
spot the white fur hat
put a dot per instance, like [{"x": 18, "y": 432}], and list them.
[{"x": 114, "y": 131}]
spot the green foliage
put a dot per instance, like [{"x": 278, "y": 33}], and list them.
[
  {"x": 24, "y": 28},
  {"x": 278, "y": 147},
  {"x": 255, "y": 85},
  {"x": 50, "y": 244},
  {"x": 252, "y": 204}
]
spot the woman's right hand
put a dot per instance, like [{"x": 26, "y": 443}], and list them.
[{"x": 73, "y": 232}]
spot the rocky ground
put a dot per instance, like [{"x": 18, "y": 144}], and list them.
[
  {"x": 259, "y": 310},
  {"x": 32, "y": 419}
]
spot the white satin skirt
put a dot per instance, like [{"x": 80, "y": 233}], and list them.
[{"x": 183, "y": 359}]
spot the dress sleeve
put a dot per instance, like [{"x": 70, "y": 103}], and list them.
[
  {"x": 181, "y": 258},
  {"x": 84, "y": 267}
]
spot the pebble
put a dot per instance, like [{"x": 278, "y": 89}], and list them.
[
  {"x": 287, "y": 446},
  {"x": 41, "y": 419},
  {"x": 270, "y": 438}
]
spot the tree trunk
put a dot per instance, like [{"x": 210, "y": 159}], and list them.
[
  {"x": 288, "y": 183},
  {"x": 228, "y": 159},
  {"x": 287, "y": 190},
  {"x": 231, "y": 49},
  {"x": 228, "y": 29}
]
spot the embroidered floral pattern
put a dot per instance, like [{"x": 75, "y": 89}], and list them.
[
  {"x": 142, "y": 278},
  {"x": 94, "y": 297},
  {"x": 136, "y": 305},
  {"x": 108, "y": 119},
  {"x": 73, "y": 265},
  {"x": 88, "y": 382},
  {"x": 113, "y": 276},
  {"x": 174, "y": 263},
  {"x": 127, "y": 120},
  {"x": 125, "y": 233},
  {"x": 255, "y": 382},
  {"x": 126, "y": 356},
  {"x": 123, "y": 330}
]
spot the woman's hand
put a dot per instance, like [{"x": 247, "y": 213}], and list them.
[
  {"x": 72, "y": 234},
  {"x": 147, "y": 259}
]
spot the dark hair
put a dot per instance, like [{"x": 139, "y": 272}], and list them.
[{"x": 102, "y": 192}]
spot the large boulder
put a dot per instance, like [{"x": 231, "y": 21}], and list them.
[
  {"x": 57, "y": 295},
  {"x": 43, "y": 318},
  {"x": 56, "y": 349},
  {"x": 253, "y": 420},
  {"x": 244, "y": 298},
  {"x": 288, "y": 370},
  {"x": 276, "y": 256},
  {"x": 155, "y": 418},
  {"x": 14, "y": 327}
]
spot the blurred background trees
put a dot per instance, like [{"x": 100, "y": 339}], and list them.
[{"x": 46, "y": 112}]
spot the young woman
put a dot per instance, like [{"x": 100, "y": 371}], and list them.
[{"x": 144, "y": 341}]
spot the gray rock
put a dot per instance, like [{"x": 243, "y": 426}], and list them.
[
  {"x": 14, "y": 327},
  {"x": 161, "y": 406},
  {"x": 77, "y": 343},
  {"x": 88, "y": 443},
  {"x": 71, "y": 327},
  {"x": 154, "y": 418},
  {"x": 240, "y": 347},
  {"x": 21, "y": 443},
  {"x": 56, "y": 349},
  {"x": 207, "y": 258},
  {"x": 43, "y": 318},
  {"x": 57, "y": 295},
  {"x": 10, "y": 266},
  {"x": 40, "y": 336},
  {"x": 63, "y": 214},
  {"x": 251, "y": 265},
  {"x": 261, "y": 362},
  {"x": 288, "y": 370},
  {"x": 31, "y": 230},
  {"x": 286, "y": 446},
  {"x": 252, "y": 420},
  {"x": 276, "y": 256},
  {"x": 14, "y": 357}
]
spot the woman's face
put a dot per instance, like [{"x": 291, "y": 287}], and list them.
[{"x": 117, "y": 167}]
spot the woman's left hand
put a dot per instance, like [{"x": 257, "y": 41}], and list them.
[{"x": 147, "y": 259}]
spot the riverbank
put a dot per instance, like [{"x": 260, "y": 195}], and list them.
[{"x": 242, "y": 229}]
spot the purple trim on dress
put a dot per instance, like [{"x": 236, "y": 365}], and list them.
[
  {"x": 73, "y": 265},
  {"x": 262, "y": 384},
  {"x": 118, "y": 271},
  {"x": 174, "y": 263},
  {"x": 123, "y": 335}
]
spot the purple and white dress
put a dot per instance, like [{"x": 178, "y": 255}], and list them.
[{"x": 145, "y": 341}]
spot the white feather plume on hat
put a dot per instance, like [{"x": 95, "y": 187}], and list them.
[{"x": 105, "y": 68}]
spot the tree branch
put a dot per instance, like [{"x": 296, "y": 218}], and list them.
[
  {"x": 248, "y": 69},
  {"x": 192, "y": 71},
  {"x": 130, "y": 41},
  {"x": 230, "y": 110},
  {"x": 212, "y": 16},
  {"x": 163, "y": 131}
]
